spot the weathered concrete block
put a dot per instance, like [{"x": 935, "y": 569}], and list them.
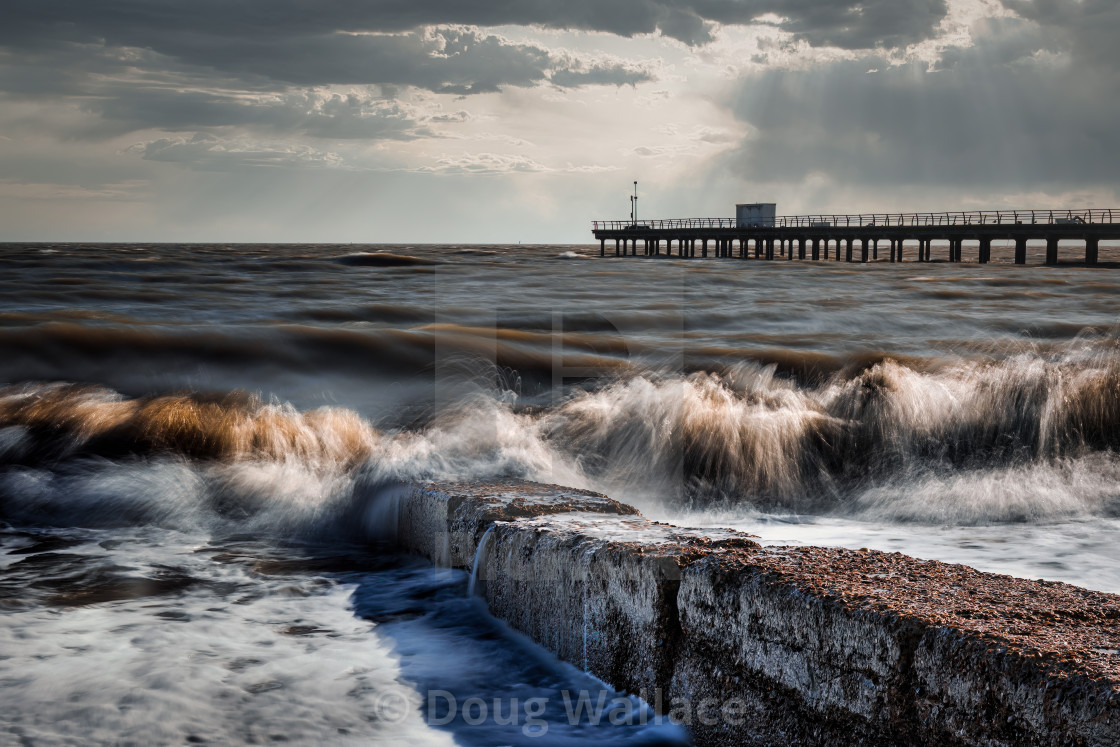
[
  {"x": 880, "y": 648},
  {"x": 765, "y": 645},
  {"x": 600, "y": 592},
  {"x": 444, "y": 522}
]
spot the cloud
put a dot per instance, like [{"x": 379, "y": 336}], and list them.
[
  {"x": 234, "y": 33},
  {"x": 1087, "y": 28},
  {"x": 579, "y": 74},
  {"x": 484, "y": 163},
  {"x": 340, "y": 85},
  {"x": 208, "y": 153},
  {"x": 502, "y": 163},
  {"x": 1009, "y": 112},
  {"x": 452, "y": 60},
  {"x": 313, "y": 113}
]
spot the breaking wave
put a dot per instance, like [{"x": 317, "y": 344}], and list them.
[{"x": 1026, "y": 438}]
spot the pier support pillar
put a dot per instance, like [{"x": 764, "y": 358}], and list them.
[
  {"x": 893, "y": 244},
  {"x": 602, "y": 247},
  {"x": 985, "y": 251},
  {"x": 863, "y": 250},
  {"x": 1051, "y": 251},
  {"x": 847, "y": 250},
  {"x": 816, "y": 249},
  {"x": 1091, "y": 249},
  {"x": 898, "y": 252},
  {"x": 875, "y": 249},
  {"x": 1020, "y": 250},
  {"x": 801, "y": 247},
  {"x": 616, "y": 247}
]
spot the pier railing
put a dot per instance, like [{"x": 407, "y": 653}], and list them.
[{"x": 960, "y": 218}]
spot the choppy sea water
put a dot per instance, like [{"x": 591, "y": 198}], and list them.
[{"x": 188, "y": 433}]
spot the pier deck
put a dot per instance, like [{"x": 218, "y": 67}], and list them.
[{"x": 858, "y": 237}]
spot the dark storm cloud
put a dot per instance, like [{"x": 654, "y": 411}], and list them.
[
  {"x": 214, "y": 63},
  {"x": 995, "y": 114},
  {"x": 451, "y": 60},
  {"x": 254, "y": 84},
  {"x": 1087, "y": 28},
  {"x": 849, "y": 25},
  {"x": 310, "y": 113},
  {"x": 188, "y": 29}
]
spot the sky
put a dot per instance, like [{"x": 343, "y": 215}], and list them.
[{"x": 505, "y": 121}]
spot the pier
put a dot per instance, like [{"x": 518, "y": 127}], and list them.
[{"x": 860, "y": 238}]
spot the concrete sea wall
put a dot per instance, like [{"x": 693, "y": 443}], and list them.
[{"x": 768, "y": 645}]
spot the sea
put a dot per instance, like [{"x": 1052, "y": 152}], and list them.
[{"x": 194, "y": 439}]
